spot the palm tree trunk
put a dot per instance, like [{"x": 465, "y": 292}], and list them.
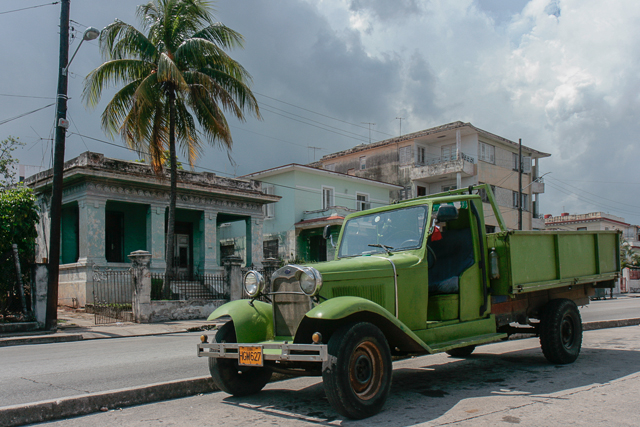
[{"x": 171, "y": 220}]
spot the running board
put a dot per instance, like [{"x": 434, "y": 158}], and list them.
[{"x": 464, "y": 342}]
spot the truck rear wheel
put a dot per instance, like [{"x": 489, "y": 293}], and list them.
[
  {"x": 231, "y": 378},
  {"x": 461, "y": 351},
  {"x": 357, "y": 376},
  {"x": 561, "y": 331}
]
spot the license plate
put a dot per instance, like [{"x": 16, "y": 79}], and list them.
[{"x": 250, "y": 356}]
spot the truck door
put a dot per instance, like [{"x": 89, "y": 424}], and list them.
[{"x": 454, "y": 288}]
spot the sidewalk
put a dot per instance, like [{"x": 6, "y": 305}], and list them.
[{"x": 76, "y": 325}]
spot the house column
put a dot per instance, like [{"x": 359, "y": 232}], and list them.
[
  {"x": 253, "y": 247},
  {"x": 209, "y": 241},
  {"x": 458, "y": 149},
  {"x": 91, "y": 231},
  {"x": 155, "y": 235}
]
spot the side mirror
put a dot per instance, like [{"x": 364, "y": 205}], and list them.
[
  {"x": 326, "y": 233},
  {"x": 447, "y": 213}
]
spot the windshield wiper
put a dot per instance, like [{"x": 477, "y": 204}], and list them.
[{"x": 386, "y": 248}]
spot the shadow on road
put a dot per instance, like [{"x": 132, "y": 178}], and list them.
[{"x": 424, "y": 391}]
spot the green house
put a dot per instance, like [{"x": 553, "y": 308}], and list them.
[
  {"x": 310, "y": 199},
  {"x": 111, "y": 208}
]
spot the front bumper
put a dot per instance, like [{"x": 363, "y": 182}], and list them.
[{"x": 271, "y": 351}]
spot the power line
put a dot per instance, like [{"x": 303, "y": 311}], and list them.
[
  {"x": 320, "y": 114},
  {"x": 27, "y": 96},
  {"x": 31, "y": 7},
  {"x": 209, "y": 169},
  {"x": 25, "y": 114}
]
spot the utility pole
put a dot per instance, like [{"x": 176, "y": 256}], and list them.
[
  {"x": 400, "y": 118},
  {"x": 520, "y": 184},
  {"x": 370, "y": 124},
  {"x": 58, "y": 165}
]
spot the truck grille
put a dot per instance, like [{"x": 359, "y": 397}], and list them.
[
  {"x": 373, "y": 293},
  {"x": 289, "y": 308}
]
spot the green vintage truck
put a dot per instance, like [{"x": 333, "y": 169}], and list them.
[{"x": 417, "y": 277}]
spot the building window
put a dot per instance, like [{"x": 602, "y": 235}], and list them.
[
  {"x": 404, "y": 154},
  {"x": 448, "y": 152},
  {"x": 330, "y": 167},
  {"x": 270, "y": 248},
  {"x": 515, "y": 161},
  {"x": 448, "y": 187},
  {"x": 327, "y": 197},
  {"x": 362, "y": 202},
  {"x": 525, "y": 201},
  {"x": 483, "y": 193},
  {"x": 487, "y": 153},
  {"x": 405, "y": 193},
  {"x": 582, "y": 228},
  {"x": 363, "y": 162},
  {"x": 114, "y": 239},
  {"x": 421, "y": 191},
  {"x": 490, "y": 229},
  {"x": 422, "y": 155},
  {"x": 269, "y": 208}
]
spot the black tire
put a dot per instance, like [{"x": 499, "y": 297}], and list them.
[
  {"x": 231, "y": 378},
  {"x": 461, "y": 352},
  {"x": 357, "y": 376},
  {"x": 561, "y": 331}
]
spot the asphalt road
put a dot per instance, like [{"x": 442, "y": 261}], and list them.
[
  {"x": 32, "y": 373},
  {"x": 500, "y": 384},
  {"x": 611, "y": 309}
]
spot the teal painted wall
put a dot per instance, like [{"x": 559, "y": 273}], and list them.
[
  {"x": 69, "y": 234},
  {"x": 135, "y": 225}
]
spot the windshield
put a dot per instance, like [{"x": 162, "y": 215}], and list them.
[{"x": 398, "y": 229}]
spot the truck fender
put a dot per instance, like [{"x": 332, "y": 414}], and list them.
[
  {"x": 335, "y": 312},
  {"x": 253, "y": 320}
]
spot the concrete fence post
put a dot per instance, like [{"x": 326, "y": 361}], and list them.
[
  {"x": 141, "y": 275},
  {"x": 233, "y": 270}
]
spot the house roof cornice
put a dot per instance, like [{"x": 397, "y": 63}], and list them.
[{"x": 428, "y": 132}]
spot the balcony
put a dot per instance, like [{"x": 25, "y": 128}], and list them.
[
  {"x": 443, "y": 167},
  {"x": 537, "y": 187}
]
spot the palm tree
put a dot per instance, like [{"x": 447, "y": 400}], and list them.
[{"x": 172, "y": 77}]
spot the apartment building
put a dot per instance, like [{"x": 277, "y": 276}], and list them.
[
  {"x": 447, "y": 157},
  {"x": 594, "y": 221}
]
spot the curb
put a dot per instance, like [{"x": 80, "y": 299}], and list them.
[
  {"x": 67, "y": 407},
  {"x": 605, "y": 324},
  {"x": 6, "y": 342}
]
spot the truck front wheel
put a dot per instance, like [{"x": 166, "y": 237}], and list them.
[
  {"x": 561, "y": 331},
  {"x": 231, "y": 378},
  {"x": 357, "y": 376}
]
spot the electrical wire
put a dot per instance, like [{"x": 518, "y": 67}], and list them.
[
  {"x": 25, "y": 114},
  {"x": 30, "y": 7}
]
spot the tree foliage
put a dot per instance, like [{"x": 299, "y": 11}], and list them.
[
  {"x": 18, "y": 219},
  {"x": 628, "y": 257},
  {"x": 7, "y": 161},
  {"x": 177, "y": 83}
]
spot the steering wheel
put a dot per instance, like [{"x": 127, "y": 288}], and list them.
[
  {"x": 431, "y": 254},
  {"x": 403, "y": 236}
]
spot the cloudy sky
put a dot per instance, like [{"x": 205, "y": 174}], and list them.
[{"x": 563, "y": 75}]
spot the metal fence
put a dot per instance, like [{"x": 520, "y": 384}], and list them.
[
  {"x": 112, "y": 295},
  {"x": 194, "y": 286}
]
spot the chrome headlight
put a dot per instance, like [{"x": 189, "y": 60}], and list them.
[
  {"x": 253, "y": 283},
  {"x": 310, "y": 281}
]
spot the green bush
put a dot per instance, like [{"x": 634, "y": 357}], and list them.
[{"x": 18, "y": 219}]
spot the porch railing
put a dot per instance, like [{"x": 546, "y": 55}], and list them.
[{"x": 191, "y": 286}]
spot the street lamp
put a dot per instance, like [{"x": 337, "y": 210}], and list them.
[
  {"x": 62, "y": 124},
  {"x": 89, "y": 34}
]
